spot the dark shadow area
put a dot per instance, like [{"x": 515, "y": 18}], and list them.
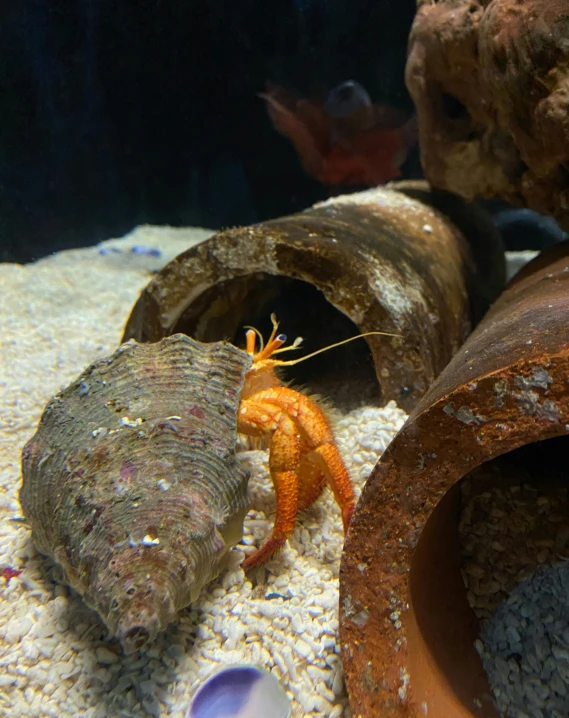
[
  {"x": 522, "y": 228},
  {"x": 345, "y": 375}
]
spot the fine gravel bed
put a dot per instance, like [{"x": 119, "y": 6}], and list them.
[
  {"x": 525, "y": 647},
  {"x": 514, "y": 534},
  {"x": 58, "y": 315}
]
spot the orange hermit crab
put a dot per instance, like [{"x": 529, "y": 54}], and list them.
[{"x": 302, "y": 452}]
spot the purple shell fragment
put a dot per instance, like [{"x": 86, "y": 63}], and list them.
[{"x": 240, "y": 692}]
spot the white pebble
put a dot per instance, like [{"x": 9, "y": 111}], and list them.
[
  {"x": 298, "y": 625},
  {"x": 322, "y": 705},
  {"x": 282, "y": 581},
  {"x": 17, "y": 629},
  {"x": 303, "y": 649},
  {"x": 106, "y": 656},
  {"x": 327, "y": 599}
]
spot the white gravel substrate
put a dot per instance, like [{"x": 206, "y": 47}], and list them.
[{"x": 58, "y": 315}]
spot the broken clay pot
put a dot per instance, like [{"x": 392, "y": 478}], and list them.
[
  {"x": 406, "y": 629},
  {"x": 421, "y": 264}
]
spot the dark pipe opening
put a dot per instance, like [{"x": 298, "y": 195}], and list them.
[
  {"x": 346, "y": 375},
  {"x": 446, "y": 625}
]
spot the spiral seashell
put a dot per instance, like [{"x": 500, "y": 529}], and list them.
[{"x": 131, "y": 482}]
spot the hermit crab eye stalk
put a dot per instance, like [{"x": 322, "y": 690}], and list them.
[
  {"x": 273, "y": 345},
  {"x": 250, "y": 336}
]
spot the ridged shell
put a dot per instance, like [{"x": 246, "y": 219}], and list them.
[{"x": 131, "y": 482}]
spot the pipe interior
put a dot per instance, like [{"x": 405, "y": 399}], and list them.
[
  {"x": 345, "y": 375},
  {"x": 444, "y": 624}
]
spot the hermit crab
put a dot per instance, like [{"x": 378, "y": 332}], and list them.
[
  {"x": 302, "y": 453},
  {"x": 133, "y": 485}
]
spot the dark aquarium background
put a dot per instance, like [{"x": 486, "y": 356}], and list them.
[
  {"x": 121, "y": 113},
  {"x": 116, "y": 114}
]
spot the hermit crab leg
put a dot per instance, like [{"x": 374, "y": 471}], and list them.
[
  {"x": 311, "y": 480},
  {"x": 339, "y": 480},
  {"x": 301, "y": 434},
  {"x": 303, "y": 454},
  {"x": 283, "y": 463}
]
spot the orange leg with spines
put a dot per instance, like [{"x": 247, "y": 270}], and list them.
[
  {"x": 283, "y": 464},
  {"x": 311, "y": 479},
  {"x": 339, "y": 480},
  {"x": 302, "y": 454}
]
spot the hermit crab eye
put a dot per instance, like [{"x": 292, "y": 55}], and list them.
[{"x": 281, "y": 338}]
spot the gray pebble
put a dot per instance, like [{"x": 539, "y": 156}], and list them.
[
  {"x": 529, "y": 672},
  {"x": 512, "y": 635}
]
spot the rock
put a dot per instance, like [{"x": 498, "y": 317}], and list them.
[{"x": 490, "y": 81}]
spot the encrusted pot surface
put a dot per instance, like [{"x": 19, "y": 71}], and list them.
[
  {"x": 489, "y": 83},
  {"x": 508, "y": 386}
]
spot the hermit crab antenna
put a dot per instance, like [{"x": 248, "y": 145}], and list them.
[
  {"x": 273, "y": 345},
  {"x": 298, "y": 341},
  {"x": 275, "y": 342},
  {"x": 253, "y": 332},
  {"x": 275, "y": 324}
]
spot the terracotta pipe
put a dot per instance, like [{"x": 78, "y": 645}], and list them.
[
  {"x": 403, "y": 259},
  {"x": 406, "y": 630}
]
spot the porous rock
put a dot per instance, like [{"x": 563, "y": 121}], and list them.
[{"x": 490, "y": 80}]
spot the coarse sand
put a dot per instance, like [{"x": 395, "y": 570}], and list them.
[{"x": 58, "y": 315}]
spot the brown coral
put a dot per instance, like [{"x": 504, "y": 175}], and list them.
[{"x": 490, "y": 80}]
